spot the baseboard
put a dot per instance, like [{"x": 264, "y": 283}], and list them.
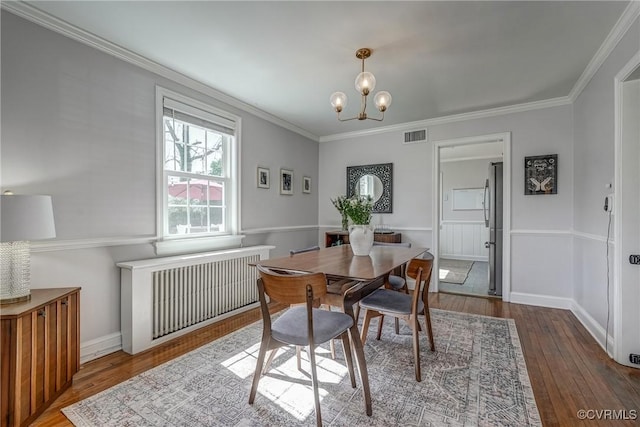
[
  {"x": 593, "y": 327},
  {"x": 541, "y": 300},
  {"x": 100, "y": 347},
  {"x": 465, "y": 257}
]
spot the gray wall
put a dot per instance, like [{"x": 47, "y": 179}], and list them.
[
  {"x": 541, "y": 225},
  {"x": 593, "y": 128},
  {"x": 79, "y": 124}
]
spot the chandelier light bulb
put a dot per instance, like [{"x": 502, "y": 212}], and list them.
[
  {"x": 365, "y": 83},
  {"x": 338, "y": 101},
  {"x": 382, "y": 100}
]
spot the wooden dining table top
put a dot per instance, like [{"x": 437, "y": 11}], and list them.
[{"x": 339, "y": 261}]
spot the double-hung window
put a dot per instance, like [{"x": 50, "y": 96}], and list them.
[{"x": 198, "y": 148}]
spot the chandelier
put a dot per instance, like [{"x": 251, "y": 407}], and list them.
[{"x": 365, "y": 83}]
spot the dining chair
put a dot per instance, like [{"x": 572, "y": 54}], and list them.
[
  {"x": 301, "y": 325},
  {"x": 394, "y": 281},
  {"x": 386, "y": 302}
]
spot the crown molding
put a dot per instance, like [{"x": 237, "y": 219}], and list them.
[
  {"x": 616, "y": 34},
  {"x": 481, "y": 114},
  {"x": 59, "y": 26}
]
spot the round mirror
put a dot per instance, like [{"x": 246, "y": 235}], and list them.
[{"x": 369, "y": 185}]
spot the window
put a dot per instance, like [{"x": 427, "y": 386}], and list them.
[{"x": 198, "y": 154}]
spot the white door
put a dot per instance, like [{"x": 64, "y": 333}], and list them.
[{"x": 627, "y": 332}]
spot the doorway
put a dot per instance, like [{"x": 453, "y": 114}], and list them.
[
  {"x": 471, "y": 226},
  {"x": 626, "y": 212}
]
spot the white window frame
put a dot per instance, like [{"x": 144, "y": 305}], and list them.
[{"x": 167, "y": 244}]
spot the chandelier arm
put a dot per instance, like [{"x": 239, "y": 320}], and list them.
[{"x": 346, "y": 120}]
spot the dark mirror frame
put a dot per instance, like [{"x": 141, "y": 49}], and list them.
[{"x": 384, "y": 171}]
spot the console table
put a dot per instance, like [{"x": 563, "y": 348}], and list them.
[
  {"x": 333, "y": 237},
  {"x": 40, "y": 352}
]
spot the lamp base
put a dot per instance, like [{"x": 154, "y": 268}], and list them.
[
  {"x": 14, "y": 272},
  {"x": 14, "y": 300}
]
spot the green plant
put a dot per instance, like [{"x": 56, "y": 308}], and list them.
[
  {"x": 340, "y": 204},
  {"x": 358, "y": 208}
]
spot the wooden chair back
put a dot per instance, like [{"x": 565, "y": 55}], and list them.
[{"x": 292, "y": 288}]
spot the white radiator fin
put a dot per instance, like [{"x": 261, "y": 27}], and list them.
[{"x": 185, "y": 296}]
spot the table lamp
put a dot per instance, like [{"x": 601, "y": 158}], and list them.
[{"x": 22, "y": 219}]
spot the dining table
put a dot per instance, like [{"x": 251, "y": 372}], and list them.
[{"x": 367, "y": 273}]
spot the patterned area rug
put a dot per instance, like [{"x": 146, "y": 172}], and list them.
[
  {"x": 454, "y": 270},
  {"x": 476, "y": 377}
]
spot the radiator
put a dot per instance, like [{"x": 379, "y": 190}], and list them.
[{"x": 163, "y": 298}]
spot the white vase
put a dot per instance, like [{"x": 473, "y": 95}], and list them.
[{"x": 361, "y": 239}]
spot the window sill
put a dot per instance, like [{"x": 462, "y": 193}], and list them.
[{"x": 197, "y": 244}]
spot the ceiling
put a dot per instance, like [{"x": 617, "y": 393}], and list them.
[{"x": 287, "y": 58}]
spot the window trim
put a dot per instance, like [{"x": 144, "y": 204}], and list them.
[{"x": 165, "y": 243}]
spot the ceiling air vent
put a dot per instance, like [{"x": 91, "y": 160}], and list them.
[{"x": 415, "y": 136}]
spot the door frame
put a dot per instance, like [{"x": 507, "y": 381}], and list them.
[
  {"x": 618, "y": 257},
  {"x": 505, "y": 137}
]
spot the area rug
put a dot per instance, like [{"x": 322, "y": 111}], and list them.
[
  {"x": 454, "y": 270},
  {"x": 476, "y": 377}
]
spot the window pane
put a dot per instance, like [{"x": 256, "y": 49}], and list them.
[
  {"x": 191, "y": 204},
  {"x": 215, "y": 154}
]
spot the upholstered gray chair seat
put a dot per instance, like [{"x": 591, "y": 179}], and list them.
[
  {"x": 388, "y": 301},
  {"x": 292, "y": 328},
  {"x": 396, "y": 282}
]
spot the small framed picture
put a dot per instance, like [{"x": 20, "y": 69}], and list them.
[
  {"x": 264, "y": 181},
  {"x": 286, "y": 181},
  {"x": 541, "y": 174},
  {"x": 306, "y": 184}
]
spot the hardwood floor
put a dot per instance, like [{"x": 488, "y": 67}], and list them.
[{"x": 569, "y": 371}]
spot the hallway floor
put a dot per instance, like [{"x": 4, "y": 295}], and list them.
[{"x": 477, "y": 282}]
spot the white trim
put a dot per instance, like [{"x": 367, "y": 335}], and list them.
[
  {"x": 456, "y": 221},
  {"x": 592, "y": 326},
  {"x": 505, "y": 137},
  {"x": 618, "y": 261},
  {"x": 616, "y": 34},
  {"x": 62, "y": 245},
  {"x": 464, "y": 159},
  {"x": 45, "y": 20},
  {"x": 541, "y": 300},
  {"x": 93, "y": 349},
  {"x": 492, "y": 112},
  {"x": 524, "y": 232},
  {"x": 466, "y": 257},
  {"x": 588, "y": 236}
]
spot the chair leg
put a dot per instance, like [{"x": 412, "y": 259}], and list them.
[
  {"x": 333, "y": 349},
  {"x": 314, "y": 381},
  {"x": 267, "y": 365},
  {"x": 397, "y": 321},
  {"x": 298, "y": 358},
  {"x": 348, "y": 358},
  {"x": 365, "y": 326},
  {"x": 429, "y": 331},
  {"x": 356, "y": 314},
  {"x": 416, "y": 347},
  {"x": 258, "y": 373},
  {"x": 380, "y": 322}
]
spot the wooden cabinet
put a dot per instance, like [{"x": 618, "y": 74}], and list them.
[
  {"x": 333, "y": 237},
  {"x": 40, "y": 352}
]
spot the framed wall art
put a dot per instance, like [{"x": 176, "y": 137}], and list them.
[
  {"x": 306, "y": 184},
  {"x": 286, "y": 182},
  {"x": 264, "y": 181},
  {"x": 375, "y": 181},
  {"x": 541, "y": 174}
]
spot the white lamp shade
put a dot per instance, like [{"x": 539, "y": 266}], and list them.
[
  {"x": 382, "y": 100},
  {"x": 24, "y": 217},
  {"x": 365, "y": 83},
  {"x": 338, "y": 101}
]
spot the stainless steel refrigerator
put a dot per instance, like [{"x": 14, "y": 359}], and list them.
[{"x": 493, "y": 220}]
